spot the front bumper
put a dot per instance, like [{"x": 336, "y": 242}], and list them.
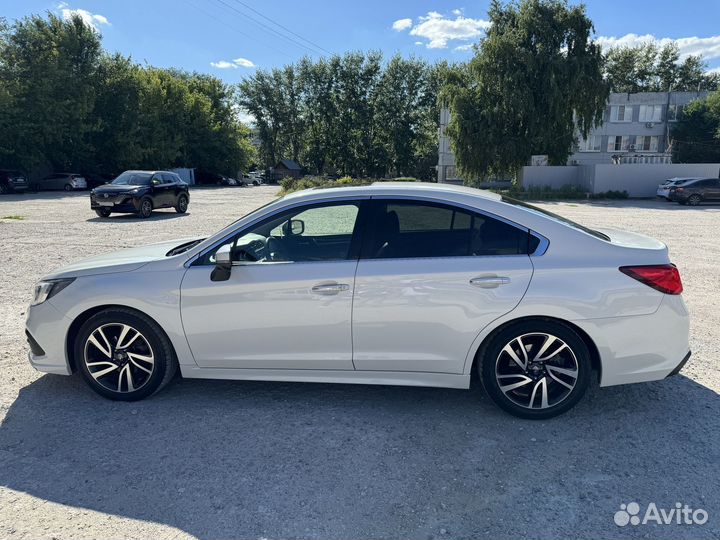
[
  {"x": 123, "y": 204},
  {"x": 47, "y": 328}
]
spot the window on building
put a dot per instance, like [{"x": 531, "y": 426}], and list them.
[
  {"x": 618, "y": 143},
  {"x": 650, "y": 113},
  {"x": 674, "y": 112},
  {"x": 646, "y": 143},
  {"x": 591, "y": 144},
  {"x": 621, "y": 113},
  {"x": 450, "y": 172}
]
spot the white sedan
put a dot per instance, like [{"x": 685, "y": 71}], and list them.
[{"x": 401, "y": 284}]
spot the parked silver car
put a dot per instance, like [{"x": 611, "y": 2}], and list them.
[{"x": 66, "y": 181}]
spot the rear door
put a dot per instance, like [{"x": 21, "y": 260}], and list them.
[
  {"x": 430, "y": 278},
  {"x": 712, "y": 190}
]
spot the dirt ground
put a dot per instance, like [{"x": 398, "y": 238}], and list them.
[{"x": 217, "y": 459}]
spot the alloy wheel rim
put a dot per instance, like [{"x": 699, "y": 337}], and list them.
[
  {"x": 183, "y": 203},
  {"x": 536, "y": 370},
  {"x": 119, "y": 357}
]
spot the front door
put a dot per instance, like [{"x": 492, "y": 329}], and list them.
[
  {"x": 288, "y": 301},
  {"x": 430, "y": 278}
]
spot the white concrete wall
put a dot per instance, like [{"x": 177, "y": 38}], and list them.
[
  {"x": 553, "y": 176},
  {"x": 643, "y": 180},
  {"x": 639, "y": 180}
]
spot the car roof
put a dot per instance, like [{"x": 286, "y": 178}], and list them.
[{"x": 410, "y": 188}]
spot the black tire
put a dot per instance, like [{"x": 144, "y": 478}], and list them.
[
  {"x": 103, "y": 212},
  {"x": 494, "y": 361},
  {"x": 694, "y": 200},
  {"x": 164, "y": 365},
  {"x": 181, "y": 205},
  {"x": 68, "y": 187},
  {"x": 3, "y": 189},
  {"x": 146, "y": 208}
]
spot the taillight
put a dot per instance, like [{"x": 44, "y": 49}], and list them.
[{"x": 661, "y": 277}]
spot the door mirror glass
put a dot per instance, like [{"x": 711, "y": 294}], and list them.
[
  {"x": 223, "y": 264},
  {"x": 294, "y": 227}
]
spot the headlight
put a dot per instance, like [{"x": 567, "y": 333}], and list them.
[{"x": 48, "y": 289}]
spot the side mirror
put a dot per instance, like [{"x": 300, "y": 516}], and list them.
[
  {"x": 294, "y": 227},
  {"x": 223, "y": 264}
]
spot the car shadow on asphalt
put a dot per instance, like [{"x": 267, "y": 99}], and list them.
[
  {"x": 224, "y": 459},
  {"x": 130, "y": 218}
]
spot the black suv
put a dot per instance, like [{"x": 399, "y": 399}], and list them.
[
  {"x": 696, "y": 191},
  {"x": 12, "y": 181},
  {"x": 141, "y": 192}
]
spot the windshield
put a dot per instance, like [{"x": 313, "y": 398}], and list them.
[
  {"x": 133, "y": 179},
  {"x": 556, "y": 217}
]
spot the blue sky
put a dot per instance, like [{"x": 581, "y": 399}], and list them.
[{"x": 232, "y": 38}]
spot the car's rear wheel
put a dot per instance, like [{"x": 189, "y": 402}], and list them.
[
  {"x": 124, "y": 355},
  {"x": 3, "y": 189},
  {"x": 694, "y": 200},
  {"x": 182, "y": 204},
  {"x": 535, "y": 369},
  {"x": 102, "y": 212},
  {"x": 146, "y": 208}
]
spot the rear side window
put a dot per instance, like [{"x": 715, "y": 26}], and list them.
[{"x": 413, "y": 229}]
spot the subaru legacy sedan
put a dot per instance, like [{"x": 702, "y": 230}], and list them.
[{"x": 399, "y": 284}]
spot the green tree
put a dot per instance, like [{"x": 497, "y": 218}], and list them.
[
  {"x": 647, "y": 68},
  {"x": 696, "y": 136},
  {"x": 534, "y": 81},
  {"x": 47, "y": 69}
]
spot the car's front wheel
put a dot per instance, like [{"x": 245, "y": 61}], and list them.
[
  {"x": 535, "y": 369},
  {"x": 124, "y": 355},
  {"x": 182, "y": 204},
  {"x": 146, "y": 208},
  {"x": 68, "y": 187},
  {"x": 694, "y": 200},
  {"x": 103, "y": 212}
]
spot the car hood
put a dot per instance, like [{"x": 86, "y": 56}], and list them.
[{"x": 125, "y": 260}]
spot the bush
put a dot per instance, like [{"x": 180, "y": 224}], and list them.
[
  {"x": 613, "y": 194},
  {"x": 545, "y": 192}
]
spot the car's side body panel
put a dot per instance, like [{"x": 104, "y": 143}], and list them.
[{"x": 423, "y": 314}]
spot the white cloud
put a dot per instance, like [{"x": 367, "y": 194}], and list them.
[
  {"x": 418, "y": 43},
  {"x": 438, "y": 29},
  {"x": 93, "y": 20},
  {"x": 457, "y": 11},
  {"x": 708, "y": 47},
  {"x": 402, "y": 24},
  {"x": 463, "y": 48},
  {"x": 243, "y": 62},
  {"x": 238, "y": 62}
]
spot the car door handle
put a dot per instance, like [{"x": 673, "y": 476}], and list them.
[
  {"x": 330, "y": 288},
  {"x": 489, "y": 282}
]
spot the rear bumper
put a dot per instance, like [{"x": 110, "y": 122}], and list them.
[
  {"x": 641, "y": 348},
  {"x": 680, "y": 365}
]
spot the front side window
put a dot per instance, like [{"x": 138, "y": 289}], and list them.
[
  {"x": 414, "y": 229},
  {"x": 306, "y": 234}
]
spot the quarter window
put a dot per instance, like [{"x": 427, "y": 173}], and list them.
[{"x": 405, "y": 229}]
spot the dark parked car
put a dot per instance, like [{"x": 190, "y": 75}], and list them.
[
  {"x": 12, "y": 181},
  {"x": 141, "y": 192},
  {"x": 696, "y": 191}
]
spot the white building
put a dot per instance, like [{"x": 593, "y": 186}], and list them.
[{"x": 635, "y": 129}]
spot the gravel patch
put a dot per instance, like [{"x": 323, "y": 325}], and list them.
[{"x": 219, "y": 459}]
